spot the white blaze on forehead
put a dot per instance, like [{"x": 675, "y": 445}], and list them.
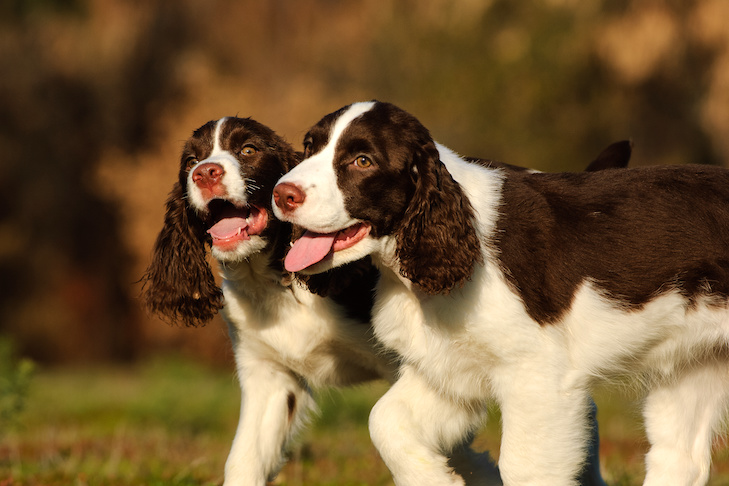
[
  {"x": 354, "y": 111},
  {"x": 232, "y": 179},
  {"x": 216, "y": 136},
  {"x": 323, "y": 209}
]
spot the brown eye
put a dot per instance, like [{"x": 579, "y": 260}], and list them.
[
  {"x": 307, "y": 149},
  {"x": 363, "y": 162},
  {"x": 248, "y": 150},
  {"x": 190, "y": 161}
]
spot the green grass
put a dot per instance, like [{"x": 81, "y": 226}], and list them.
[
  {"x": 171, "y": 422},
  {"x": 168, "y": 422},
  {"x": 159, "y": 423}
]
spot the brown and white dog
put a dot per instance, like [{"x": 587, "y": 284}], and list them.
[
  {"x": 522, "y": 287},
  {"x": 287, "y": 337}
]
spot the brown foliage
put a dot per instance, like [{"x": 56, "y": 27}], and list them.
[{"x": 96, "y": 97}]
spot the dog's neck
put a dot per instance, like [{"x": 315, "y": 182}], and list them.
[
  {"x": 385, "y": 259},
  {"x": 256, "y": 276}
]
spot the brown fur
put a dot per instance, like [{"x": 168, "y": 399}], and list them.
[
  {"x": 436, "y": 243},
  {"x": 178, "y": 284},
  {"x": 636, "y": 233},
  {"x": 412, "y": 195}
]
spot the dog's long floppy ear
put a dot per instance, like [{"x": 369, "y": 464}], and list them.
[
  {"x": 179, "y": 284},
  {"x": 437, "y": 245}
]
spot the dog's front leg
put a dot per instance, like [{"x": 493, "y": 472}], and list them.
[
  {"x": 545, "y": 429},
  {"x": 414, "y": 429},
  {"x": 274, "y": 405}
]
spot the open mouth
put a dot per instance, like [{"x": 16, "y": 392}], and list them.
[
  {"x": 312, "y": 247},
  {"x": 230, "y": 224}
]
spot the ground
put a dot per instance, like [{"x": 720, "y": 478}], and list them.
[{"x": 170, "y": 421}]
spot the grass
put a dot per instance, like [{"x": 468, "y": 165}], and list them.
[
  {"x": 159, "y": 423},
  {"x": 171, "y": 422}
]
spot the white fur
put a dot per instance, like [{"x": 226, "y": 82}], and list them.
[
  {"x": 479, "y": 342},
  {"x": 285, "y": 340},
  {"x": 324, "y": 200},
  {"x": 231, "y": 179},
  {"x": 237, "y": 193}
]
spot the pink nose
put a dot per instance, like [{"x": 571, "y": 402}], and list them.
[
  {"x": 288, "y": 196},
  {"x": 207, "y": 175}
]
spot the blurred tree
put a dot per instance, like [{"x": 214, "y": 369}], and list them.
[
  {"x": 13, "y": 11},
  {"x": 537, "y": 81},
  {"x": 96, "y": 96},
  {"x": 63, "y": 257}
]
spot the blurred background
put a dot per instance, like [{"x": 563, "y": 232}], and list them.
[{"x": 97, "y": 97}]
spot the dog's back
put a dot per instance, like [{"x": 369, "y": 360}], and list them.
[{"x": 635, "y": 233}]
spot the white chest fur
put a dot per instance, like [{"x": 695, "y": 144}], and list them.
[{"x": 301, "y": 331}]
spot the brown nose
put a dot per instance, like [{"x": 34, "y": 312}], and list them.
[
  {"x": 288, "y": 196},
  {"x": 207, "y": 175}
]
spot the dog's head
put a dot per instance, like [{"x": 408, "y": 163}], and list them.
[
  {"x": 228, "y": 169},
  {"x": 373, "y": 172}
]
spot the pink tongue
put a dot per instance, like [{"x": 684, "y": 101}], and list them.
[
  {"x": 308, "y": 250},
  {"x": 227, "y": 228}
]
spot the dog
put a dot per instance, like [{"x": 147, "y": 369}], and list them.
[
  {"x": 286, "y": 339},
  {"x": 289, "y": 335},
  {"x": 525, "y": 288}
]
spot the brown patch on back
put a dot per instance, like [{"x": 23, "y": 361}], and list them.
[{"x": 636, "y": 233}]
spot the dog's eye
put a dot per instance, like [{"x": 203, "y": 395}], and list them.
[
  {"x": 307, "y": 148},
  {"x": 190, "y": 161},
  {"x": 363, "y": 162},
  {"x": 248, "y": 150}
]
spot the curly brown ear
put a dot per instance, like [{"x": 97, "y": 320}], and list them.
[
  {"x": 437, "y": 244},
  {"x": 179, "y": 284}
]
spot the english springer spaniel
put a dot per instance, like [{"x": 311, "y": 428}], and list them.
[
  {"x": 522, "y": 287},
  {"x": 287, "y": 337}
]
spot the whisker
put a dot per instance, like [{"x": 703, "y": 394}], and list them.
[{"x": 250, "y": 183}]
